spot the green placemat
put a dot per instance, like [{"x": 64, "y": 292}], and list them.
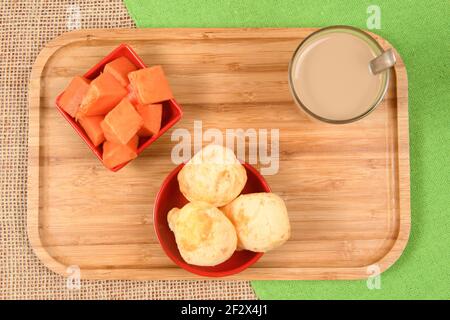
[{"x": 420, "y": 32}]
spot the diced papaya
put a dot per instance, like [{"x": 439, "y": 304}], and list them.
[
  {"x": 122, "y": 123},
  {"x": 150, "y": 85},
  {"x": 120, "y": 68},
  {"x": 116, "y": 153},
  {"x": 71, "y": 98},
  {"x": 104, "y": 93},
  {"x": 132, "y": 95},
  {"x": 92, "y": 127},
  {"x": 152, "y": 114}
]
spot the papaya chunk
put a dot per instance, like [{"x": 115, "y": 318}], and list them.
[
  {"x": 120, "y": 68},
  {"x": 71, "y": 98},
  {"x": 122, "y": 123},
  {"x": 150, "y": 85},
  {"x": 132, "y": 95},
  {"x": 116, "y": 153},
  {"x": 104, "y": 93},
  {"x": 151, "y": 114},
  {"x": 92, "y": 127}
]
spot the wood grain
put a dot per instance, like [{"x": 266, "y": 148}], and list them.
[{"x": 346, "y": 186}]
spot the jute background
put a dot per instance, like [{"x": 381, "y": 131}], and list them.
[{"x": 25, "y": 28}]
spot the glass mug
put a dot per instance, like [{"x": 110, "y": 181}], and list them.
[{"x": 339, "y": 74}]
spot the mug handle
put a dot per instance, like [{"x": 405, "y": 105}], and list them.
[{"x": 382, "y": 62}]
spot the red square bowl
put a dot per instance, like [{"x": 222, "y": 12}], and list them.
[{"x": 172, "y": 112}]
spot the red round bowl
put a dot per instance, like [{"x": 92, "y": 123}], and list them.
[{"x": 170, "y": 196}]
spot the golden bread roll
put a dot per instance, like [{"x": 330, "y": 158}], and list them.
[
  {"x": 213, "y": 175},
  {"x": 204, "y": 236},
  {"x": 261, "y": 221}
]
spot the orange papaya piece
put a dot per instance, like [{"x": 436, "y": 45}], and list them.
[
  {"x": 116, "y": 153},
  {"x": 151, "y": 114},
  {"x": 71, "y": 98},
  {"x": 93, "y": 129},
  {"x": 120, "y": 68},
  {"x": 150, "y": 85},
  {"x": 104, "y": 93},
  {"x": 132, "y": 95},
  {"x": 122, "y": 123}
]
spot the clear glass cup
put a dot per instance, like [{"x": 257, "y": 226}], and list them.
[{"x": 313, "y": 38}]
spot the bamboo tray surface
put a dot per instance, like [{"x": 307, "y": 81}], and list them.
[{"x": 346, "y": 186}]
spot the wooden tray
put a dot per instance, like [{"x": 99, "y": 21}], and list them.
[{"x": 346, "y": 186}]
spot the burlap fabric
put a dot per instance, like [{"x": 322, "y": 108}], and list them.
[{"x": 25, "y": 28}]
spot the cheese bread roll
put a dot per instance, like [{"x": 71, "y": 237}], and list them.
[
  {"x": 261, "y": 221},
  {"x": 204, "y": 236},
  {"x": 213, "y": 175}
]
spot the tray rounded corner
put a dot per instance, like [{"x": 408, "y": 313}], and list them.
[
  {"x": 41, "y": 253},
  {"x": 393, "y": 255}
]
